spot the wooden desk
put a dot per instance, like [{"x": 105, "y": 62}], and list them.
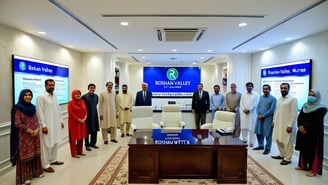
[{"x": 218, "y": 157}]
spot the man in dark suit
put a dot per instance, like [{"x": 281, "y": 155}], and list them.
[
  {"x": 143, "y": 97},
  {"x": 200, "y": 105}
]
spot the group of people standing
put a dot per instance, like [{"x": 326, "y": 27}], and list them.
[
  {"x": 35, "y": 134},
  {"x": 36, "y": 130},
  {"x": 265, "y": 118}
]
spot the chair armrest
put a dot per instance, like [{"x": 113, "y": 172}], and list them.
[
  {"x": 207, "y": 126},
  {"x": 155, "y": 125},
  {"x": 182, "y": 124}
]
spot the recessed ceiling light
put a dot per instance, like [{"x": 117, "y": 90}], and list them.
[
  {"x": 202, "y": 57},
  {"x": 148, "y": 62},
  {"x": 42, "y": 32},
  {"x": 209, "y": 50},
  {"x": 242, "y": 24},
  {"x": 71, "y": 46},
  {"x": 140, "y": 50},
  {"x": 124, "y": 23},
  {"x": 174, "y": 50},
  {"x": 194, "y": 63},
  {"x": 288, "y": 38}
]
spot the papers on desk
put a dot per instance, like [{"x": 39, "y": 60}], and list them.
[{"x": 225, "y": 131}]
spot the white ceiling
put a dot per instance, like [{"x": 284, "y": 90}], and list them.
[{"x": 94, "y": 26}]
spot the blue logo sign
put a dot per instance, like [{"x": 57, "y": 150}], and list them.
[
  {"x": 172, "y": 74},
  {"x": 22, "y": 66}
]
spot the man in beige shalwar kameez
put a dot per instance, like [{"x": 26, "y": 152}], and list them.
[
  {"x": 108, "y": 113},
  {"x": 124, "y": 103}
]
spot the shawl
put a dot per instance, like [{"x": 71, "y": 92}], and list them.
[
  {"x": 313, "y": 106},
  {"x": 26, "y": 108}
]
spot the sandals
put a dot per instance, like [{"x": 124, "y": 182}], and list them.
[
  {"x": 27, "y": 182},
  {"x": 310, "y": 174}
]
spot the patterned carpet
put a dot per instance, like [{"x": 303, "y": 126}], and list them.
[{"x": 115, "y": 172}]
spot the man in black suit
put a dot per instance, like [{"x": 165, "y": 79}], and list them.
[
  {"x": 143, "y": 97},
  {"x": 200, "y": 105}
]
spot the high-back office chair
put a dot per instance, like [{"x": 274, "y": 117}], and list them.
[
  {"x": 222, "y": 120},
  {"x": 142, "y": 118},
  {"x": 172, "y": 117}
]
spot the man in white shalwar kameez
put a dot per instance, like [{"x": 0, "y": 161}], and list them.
[
  {"x": 51, "y": 123},
  {"x": 284, "y": 119},
  {"x": 124, "y": 104},
  {"x": 108, "y": 113},
  {"x": 248, "y": 115}
]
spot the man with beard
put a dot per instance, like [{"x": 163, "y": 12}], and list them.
[
  {"x": 231, "y": 104},
  {"x": 51, "y": 122},
  {"x": 92, "y": 121},
  {"x": 284, "y": 118},
  {"x": 248, "y": 104},
  {"x": 124, "y": 103},
  {"x": 216, "y": 100}
]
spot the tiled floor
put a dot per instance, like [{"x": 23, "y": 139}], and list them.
[{"x": 81, "y": 171}]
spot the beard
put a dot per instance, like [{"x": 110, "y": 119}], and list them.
[
  {"x": 124, "y": 92},
  {"x": 284, "y": 93},
  {"x": 50, "y": 90}
]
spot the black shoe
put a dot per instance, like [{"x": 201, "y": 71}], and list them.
[
  {"x": 122, "y": 135},
  {"x": 106, "y": 142},
  {"x": 258, "y": 148},
  {"x": 284, "y": 162},
  {"x": 94, "y": 146},
  {"x": 87, "y": 148},
  {"x": 277, "y": 157},
  {"x": 266, "y": 152},
  {"x": 113, "y": 140},
  {"x": 128, "y": 135}
]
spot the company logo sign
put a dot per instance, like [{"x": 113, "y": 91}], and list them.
[
  {"x": 172, "y": 74},
  {"x": 22, "y": 66}
]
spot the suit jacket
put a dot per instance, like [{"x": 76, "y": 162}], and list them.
[
  {"x": 201, "y": 105},
  {"x": 140, "y": 100}
]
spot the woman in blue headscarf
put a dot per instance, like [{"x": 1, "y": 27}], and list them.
[
  {"x": 309, "y": 139},
  {"x": 25, "y": 150}
]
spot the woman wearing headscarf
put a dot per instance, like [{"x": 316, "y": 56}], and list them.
[
  {"x": 309, "y": 140},
  {"x": 25, "y": 150},
  {"x": 77, "y": 114}
]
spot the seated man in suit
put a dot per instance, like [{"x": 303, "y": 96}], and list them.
[{"x": 143, "y": 97}]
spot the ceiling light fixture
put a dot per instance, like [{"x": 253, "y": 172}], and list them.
[
  {"x": 124, "y": 23},
  {"x": 140, "y": 50},
  {"x": 174, "y": 50},
  {"x": 242, "y": 24},
  {"x": 42, "y": 32}
]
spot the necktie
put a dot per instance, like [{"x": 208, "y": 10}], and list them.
[
  {"x": 200, "y": 94},
  {"x": 144, "y": 95}
]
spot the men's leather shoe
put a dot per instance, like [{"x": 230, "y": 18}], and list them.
[
  {"x": 81, "y": 154},
  {"x": 284, "y": 162},
  {"x": 113, "y": 140},
  {"x": 106, "y": 142},
  {"x": 87, "y": 148},
  {"x": 57, "y": 163},
  {"x": 277, "y": 157},
  {"x": 266, "y": 152},
  {"x": 128, "y": 135},
  {"x": 122, "y": 135},
  {"x": 258, "y": 148},
  {"x": 49, "y": 170},
  {"x": 75, "y": 156},
  {"x": 94, "y": 146}
]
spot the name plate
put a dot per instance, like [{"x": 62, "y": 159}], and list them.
[{"x": 174, "y": 137}]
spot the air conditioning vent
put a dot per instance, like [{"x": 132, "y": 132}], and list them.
[{"x": 179, "y": 34}]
